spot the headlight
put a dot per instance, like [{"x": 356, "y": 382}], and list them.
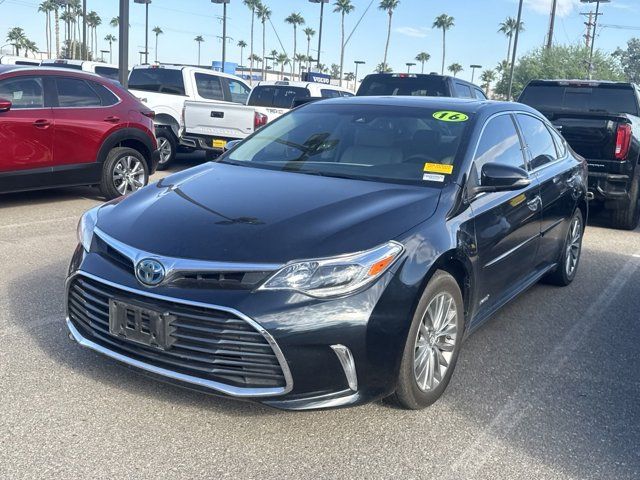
[
  {"x": 86, "y": 226},
  {"x": 337, "y": 276}
]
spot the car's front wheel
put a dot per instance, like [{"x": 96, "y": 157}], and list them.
[
  {"x": 124, "y": 171},
  {"x": 167, "y": 145},
  {"x": 433, "y": 344}
]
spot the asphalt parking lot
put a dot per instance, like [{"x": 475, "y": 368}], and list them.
[{"x": 550, "y": 388}]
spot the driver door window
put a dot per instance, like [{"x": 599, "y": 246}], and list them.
[{"x": 539, "y": 141}]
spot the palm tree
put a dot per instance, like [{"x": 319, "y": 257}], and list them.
[
  {"x": 242, "y": 45},
  {"x": 255, "y": 58},
  {"x": 383, "y": 68},
  {"x": 93, "y": 20},
  {"x": 309, "y": 32},
  {"x": 389, "y": 6},
  {"x": 445, "y": 22},
  {"x": 295, "y": 19},
  {"x": 509, "y": 28},
  {"x": 57, "y": 4},
  {"x": 29, "y": 46},
  {"x": 350, "y": 77},
  {"x": 67, "y": 18},
  {"x": 343, "y": 7},
  {"x": 17, "y": 38},
  {"x": 423, "y": 57},
  {"x": 301, "y": 58},
  {"x": 110, "y": 38},
  {"x": 282, "y": 59},
  {"x": 47, "y": 7},
  {"x": 264, "y": 13},
  {"x": 97, "y": 21},
  {"x": 252, "y": 5},
  {"x": 199, "y": 39},
  {"x": 487, "y": 77},
  {"x": 115, "y": 22},
  {"x": 455, "y": 68},
  {"x": 157, "y": 31}
]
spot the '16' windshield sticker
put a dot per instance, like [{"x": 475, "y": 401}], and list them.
[{"x": 448, "y": 116}]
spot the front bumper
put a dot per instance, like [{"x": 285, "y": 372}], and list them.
[{"x": 307, "y": 333}]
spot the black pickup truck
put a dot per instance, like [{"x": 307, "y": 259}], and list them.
[{"x": 601, "y": 122}]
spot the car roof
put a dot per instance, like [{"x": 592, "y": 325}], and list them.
[
  {"x": 468, "y": 106},
  {"x": 53, "y": 61},
  {"x": 568, "y": 82},
  {"x": 291, "y": 83},
  {"x": 39, "y": 70},
  {"x": 168, "y": 66}
]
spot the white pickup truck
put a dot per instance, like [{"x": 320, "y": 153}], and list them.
[
  {"x": 167, "y": 88},
  {"x": 209, "y": 126}
]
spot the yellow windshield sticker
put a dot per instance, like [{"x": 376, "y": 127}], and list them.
[
  {"x": 449, "y": 116},
  {"x": 438, "y": 168}
]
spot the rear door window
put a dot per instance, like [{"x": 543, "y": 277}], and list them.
[
  {"x": 463, "y": 90},
  {"x": 536, "y": 135},
  {"x": 209, "y": 86},
  {"x": 23, "y": 92},
  {"x": 108, "y": 72},
  {"x": 161, "y": 80},
  {"x": 74, "y": 93},
  {"x": 239, "y": 91},
  {"x": 107, "y": 97}
]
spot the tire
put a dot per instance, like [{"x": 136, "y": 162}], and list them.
[
  {"x": 168, "y": 146},
  {"x": 628, "y": 218},
  {"x": 409, "y": 394},
  {"x": 569, "y": 261},
  {"x": 210, "y": 155},
  {"x": 127, "y": 162}
]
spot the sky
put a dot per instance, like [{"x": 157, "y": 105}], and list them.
[{"x": 473, "y": 40}]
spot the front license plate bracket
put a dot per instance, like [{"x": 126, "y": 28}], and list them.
[{"x": 141, "y": 325}]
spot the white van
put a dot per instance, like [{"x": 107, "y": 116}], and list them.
[
  {"x": 13, "y": 60},
  {"x": 274, "y": 99},
  {"x": 103, "y": 69}
]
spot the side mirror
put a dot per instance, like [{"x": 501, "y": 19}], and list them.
[
  {"x": 497, "y": 177},
  {"x": 5, "y": 105},
  {"x": 231, "y": 145}
]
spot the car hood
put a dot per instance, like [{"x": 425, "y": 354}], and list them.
[{"x": 229, "y": 213}]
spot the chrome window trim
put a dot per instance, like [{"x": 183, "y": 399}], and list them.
[
  {"x": 210, "y": 384},
  {"x": 175, "y": 266},
  {"x": 546, "y": 123}
]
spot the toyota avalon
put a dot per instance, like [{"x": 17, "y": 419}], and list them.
[{"x": 339, "y": 255}]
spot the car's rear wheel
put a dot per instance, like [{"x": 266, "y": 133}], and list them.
[
  {"x": 125, "y": 171},
  {"x": 567, "y": 267},
  {"x": 167, "y": 145},
  {"x": 433, "y": 344},
  {"x": 628, "y": 217}
]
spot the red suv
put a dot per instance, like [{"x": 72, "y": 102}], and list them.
[{"x": 64, "y": 128}]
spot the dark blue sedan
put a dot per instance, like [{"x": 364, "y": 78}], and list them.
[{"x": 340, "y": 254}]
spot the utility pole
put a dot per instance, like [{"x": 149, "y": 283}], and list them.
[
  {"x": 515, "y": 50},
  {"x": 224, "y": 30},
  {"x": 595, "y": 30},
  {"x": 321, "y": 2},
  {"x": 84, "y": 54},
  {"x": 589, "y": 23},
  {"x": 123, "y": 44},
  {"x": 552, "y": 24}
]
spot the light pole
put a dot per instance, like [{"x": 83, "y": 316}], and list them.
[
  {"x": 321, "y": 2},
  {"x": 84, "y": 54},
  {"x": 473, "y": 71},
  {"x": 515, "y": 50},
  {"x": 409, "y": 65},
  {"x": 358, "y": 63},
  {"x": 123, "y": 44},
  {"x": 595, "y": 31},
  {"x": 224, "y": 29},
  {"x": 146, "y": 28},
  {"x": 102, "y": 52}
]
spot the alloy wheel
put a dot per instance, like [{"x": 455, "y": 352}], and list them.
[
  {"x": 128, "y": 175},
  {"x": 573, "y": 248},
  {"x": 435, "y": 342},
  {"x": 165, "y": 149}
]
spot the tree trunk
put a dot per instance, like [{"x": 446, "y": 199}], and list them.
[
  {"x": 444, "y": 47},
  {"x": 295, "y": 47},
  {"x": 308, "y": 53},
  {"x": 198, "y": 53},
  {"x": 253, "y": 14},
  {"x": 509, "y": 50},
  {"x": 110, "y": 52},
  {"x": 56, "y": 22},
  {"x": 157, "y": 35},
  {"x": 264, "y": 50},
  {"x": 386, "y": 48},
  {"x": 342, "y": 49}
]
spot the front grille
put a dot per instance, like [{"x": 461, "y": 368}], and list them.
[{"x": 206, "y": 343}]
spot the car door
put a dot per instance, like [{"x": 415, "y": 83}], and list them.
[
  {"x": 81, "y": 122},
  {"x": 557, "y": 181},
  {"x": 26, "y": 130},
  {"x": 507, "y": 224}
]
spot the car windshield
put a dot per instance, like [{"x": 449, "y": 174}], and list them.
[{"x": 371, "y": 142}]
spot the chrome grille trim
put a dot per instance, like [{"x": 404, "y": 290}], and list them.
[{"x": 247, "y": 392}]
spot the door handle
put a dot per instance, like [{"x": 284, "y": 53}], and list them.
[
  {"x": 534, "y": 202},
  {"x": 112, "y": 119},
  {"x": 42, "y": 123}
]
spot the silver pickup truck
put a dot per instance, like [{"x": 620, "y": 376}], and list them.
[{"x": 209, "y": 126}]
